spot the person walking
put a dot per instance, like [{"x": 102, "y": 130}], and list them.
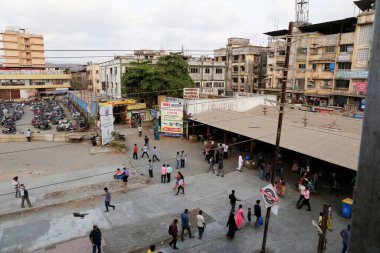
[
  {"x": 239, "y": 218},
  {"x": 24, "y": 196},
  {"x": 240, "y": 163},
  {"x": 155, "y": 154},
  {"x": 183, "y": 159},
  {"x": 125, "y": 182},
  {"x": 231, "y": 224},
  {"x": 144, "y": 150},
  {"x": 173, "y": 231},
  {"x": 306, "y": 199},
  {"x": 150, "y": 168},
  {"x": 177, "y": 159},
  {"x": 163, "y": 174},
  {"x": 140, "y": 130},
  {"x": 201, "y": 224},
  {"x": 135, "y": 150},
  {"x": 257, "y": 212},
  {"x": 185, "y": 224},
  {"x": 211, "y": 165},
  {"x": 233, "y": 200},
  {"x": 169, "y": 170},
  {"x": 146, "y": 141},
  {"x": 16, "y": 185},
  {"x": 249, "y": 216},
  {"x": 96, "y": 239},
  {"x": 28, "y": 135},
  {"x": 345, "y": 234},
  {"x": 225, "y": 151},
  {"x": 108, "y": 200},
  {"x": 181, "y": 183},
  {"x": 219, "y": 168}
]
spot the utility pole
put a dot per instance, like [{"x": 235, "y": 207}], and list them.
[
  {"x": 366, "y": 216},
  {"x": 322, "y": 237},
  {"x": 279, "y": 126}
]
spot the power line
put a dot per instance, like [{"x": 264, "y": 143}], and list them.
[{"x": 115, "y": 50}]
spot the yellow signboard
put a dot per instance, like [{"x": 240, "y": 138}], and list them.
[
  {"x": 137, "y": 106},
  {"x": 119, "y": 102}
]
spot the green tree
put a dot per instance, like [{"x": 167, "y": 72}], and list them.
[{"x": 169, "y": 73}]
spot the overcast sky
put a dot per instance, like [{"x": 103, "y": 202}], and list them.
[{"x": 156, "y": 24}]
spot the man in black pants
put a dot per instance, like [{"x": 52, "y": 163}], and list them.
[
  {"x": 173, "y": 231},
  {"x": 108, "y": 200},
  {"x": 96, "y": 239},
  {"x": 180, "y": 186},
  {"x": 233, "y": 200}
]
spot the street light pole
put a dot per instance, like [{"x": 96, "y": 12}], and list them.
[{"x": 279, "y": 126}]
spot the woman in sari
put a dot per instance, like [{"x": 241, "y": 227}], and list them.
[
  {"x": 231, "y": 224},
  {"x": 239, "y": 218}
]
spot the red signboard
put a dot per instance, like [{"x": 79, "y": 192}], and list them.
[{"x": 361, "y": 87}]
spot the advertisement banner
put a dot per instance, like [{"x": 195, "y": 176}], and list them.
[
  {"x": 106, "y": 123},
  {"x": 361, "y": 86},
  {"x": 191, "y": 93},
  {"x": 270, "y": 198},
  {"x": 171, "y": 119}
]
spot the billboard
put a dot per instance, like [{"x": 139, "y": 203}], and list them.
[
  {"x": 361, "y": 87},
  {"x": 106, "y": 123},
  {"x": 171, "y": 119},
  {"x": 191, "y": 93}
]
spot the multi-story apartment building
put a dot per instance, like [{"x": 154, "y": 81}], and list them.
[
  {"x": 208, "y": 75},
  {"x": 19, "y": 48},
  {"x": 23, "y": 72},
  {"x": 93, "y": 77},
  {"x": 242, "y": 64},
  {"x": 328, "y": 61},
  {"x": 112, "y": 71}
]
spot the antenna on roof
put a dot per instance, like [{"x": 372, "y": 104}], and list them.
[{"x": 302, "y": 11}]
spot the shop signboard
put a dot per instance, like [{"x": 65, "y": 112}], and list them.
[
  {"x": 361, "y": 74},
  {"x": 191, "y": 93},
  {"x": 361, "y": 86},
  {"x": 106, "y": 123},
  {"x": 171, "y": 119}
]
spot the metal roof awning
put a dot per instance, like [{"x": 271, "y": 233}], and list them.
[
  {"x": 332, "y": 27},
  {"x": 330, "y": 145},
  {"x": 277, "y": 33},
  {"x": 364, "y": 4}
]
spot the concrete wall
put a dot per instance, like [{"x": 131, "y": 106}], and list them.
[
  {"x": 239, "y": 104},
  {"x": 35, "y": 137}
]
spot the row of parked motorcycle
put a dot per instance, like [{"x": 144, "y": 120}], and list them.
[
  {"x": 80, "y": 119},
  {"x": 9, "y": 113}
]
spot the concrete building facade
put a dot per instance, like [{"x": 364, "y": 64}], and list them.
[
  {"x": 242, "y": 64},
  {"x": 328, "y": 63},
  {"x": 23, "y": 72},
  {"x": 208, "y": 75},
  {"x": 20, "y": 48},
  {"x": 93, "y": 77}
]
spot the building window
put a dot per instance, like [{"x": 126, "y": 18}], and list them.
[
  {"x": 197, "y": 84},
  {"x": 241, "y": 80},
  {"x": 242, "y": 57},
  {"x": 207, "y": 84},
  {"x": 97, "y": 71},
  {"x": 362, "y": 54},
  {"x": 327, "y": 84},
  {"x": 194, "y": 70},
  {"x": 346, "y": 48},
  {"x": 365, "y": 34},
  {"x": 282, "y": 52},
  {"x": 302, "y": 50},
  {"x": 242, "y": 68},
  {"x": 235, "y": 69},
  {"x": 207, "y": 70},
  {"x": 218, "y": 84},
  {"x": 326, "y": 67},
  {"x": 314, "y": 66},
  {"x": 302, "y": 66},
  {"x": 236, "y": 58},
  {"x": 224, "y": 58},
  {"x": 235, "y": 80},
  {"x": 219, "y": 71},
  {"x": 330, "y": 49},
  {"x": 342, "y": 84},
  {"x": 344, "y": 65}
]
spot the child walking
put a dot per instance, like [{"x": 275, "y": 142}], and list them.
[{"x": 249, "y": 214}]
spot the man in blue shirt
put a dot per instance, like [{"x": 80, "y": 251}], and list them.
[
  {"x": 108, "y": 199},
  {"x": 185, "y": 224}
]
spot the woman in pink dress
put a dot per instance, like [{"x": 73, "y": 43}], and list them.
[{"x": 239, "y": 218}]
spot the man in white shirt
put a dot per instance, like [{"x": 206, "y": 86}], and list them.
[
  {"x": 201, "y": 224},
  {"x": 28, "y": 135},
  {"x": 225, "y": 151},
  {"x": 240, "y": 164}
]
